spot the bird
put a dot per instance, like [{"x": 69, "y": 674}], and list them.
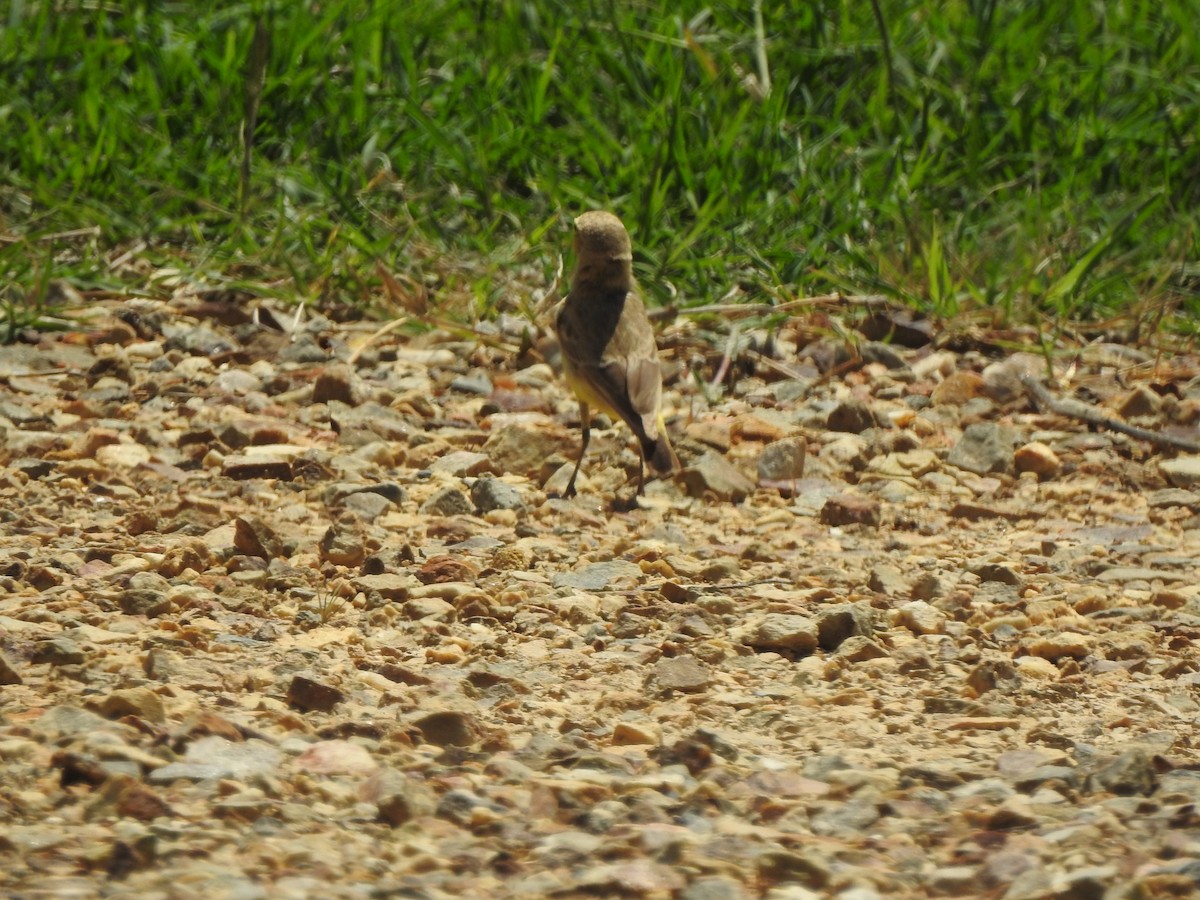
[{"x": 609, "y": 355}]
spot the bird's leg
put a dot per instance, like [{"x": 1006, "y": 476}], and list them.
[
  {"x": 641, "y": 491},
  {"x": 585, "y": 424}
]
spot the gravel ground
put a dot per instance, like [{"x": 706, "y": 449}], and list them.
[{"x": 299, "y": 615}]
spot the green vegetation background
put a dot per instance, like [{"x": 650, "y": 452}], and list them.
[{"x": 1036, "y": 158}]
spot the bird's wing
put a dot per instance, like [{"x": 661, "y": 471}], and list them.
[
  {"x": 631, "y": 363},
  {"x": 625, "y": 379}
]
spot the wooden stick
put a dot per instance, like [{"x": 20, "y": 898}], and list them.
[{"x": 1077, "y": 409}]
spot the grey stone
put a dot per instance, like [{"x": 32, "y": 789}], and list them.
[
  {"x": 8, "y": 672},
  {"x": 58, "y": 651},
  {"x": 598, "y": 576},
  {"x": 853, "y": 416},
  {"x": 716, "y": 887},
  {"x": 459, "y": 806},
  {"x": 198, "y": 340},
  {"x": 884, "y": 354},
  {"x": 304, "y": 349},
  {"x": 491, "y": 493},
  {"x": 71, "y": 721},
  {"x": 1130, "y": 773},
  {"x": 148, "y": 603},
  {"x": 1126, "y": 574},
  {"x": 712, "y": 475},
  {"x": 342, "y": 546},
  {"x": 337, "y": 494},
  {"x": 254, "y": 537},
  {"x": 236, "y": 381},
  {"x": 214, "y": 757},
  {"x": 397, "y": 798},
  {"x": 985, "y": 448},
  {"x": 1168, "y": 497},
  {"x": 996, "y": 572},
  {"x": 782, "y": 460},
  {"x": 449, "y": 501},
  {"x": 474, "y": 382},
  {"x": 370, "y": 417},
  {"x": 780, "y": 631},
  {"x": 837, "y": 623},
  {"x": 847, "y": 819},
  {"x": 525, "y": 450},
  {"x": 888, "y": 580},
  {"x": 366, "y": 506},
  {"x": 462, "y": 463},
  {"x": 681, "y": 673}
]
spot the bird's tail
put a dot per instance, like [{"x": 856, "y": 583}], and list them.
[{"x": 660, "y": 455}]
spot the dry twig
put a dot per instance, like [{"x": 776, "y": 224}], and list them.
[{"x": 1077, "y": 409}]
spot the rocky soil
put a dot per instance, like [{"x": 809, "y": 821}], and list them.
[{"x": 295, "y": 612}]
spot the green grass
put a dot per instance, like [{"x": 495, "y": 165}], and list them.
[{"x": 1037, "y": 159}]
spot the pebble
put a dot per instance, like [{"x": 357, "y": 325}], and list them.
[
  {"x": 256, "y": 465},
  {"x": 996, "y": 572},
  {"x": 713, "y": 476},
  {"x": 309, "y": 694},
  {"x": 236, "y": 381},
  {"x": 1129, "y": 774},
  {"x": 886, "y": 355},
  {"x": 368, "y": 506},
  {"x": 1181, "y": 472},
  {"x": 853, "y": 416},
  {"x": 1141, "y": 402},
  {"x": 890, "y": 580},
  {"x": 681, "y": 673},
  {"x": 397, "y": 798},
  {"x": 334, "y": 383},
  {"x": 448, "y": 729},
  {"x": 336, "y": 757},
  {"x": 779, "y": 631},
  {"x": 448, "y": 501},
  {"x": 1037, "y": 458},
  {"x": 957, "y": 389},
  {"x": 840, "y": 622},
  {"x": 717, "y": 434},
  {"x": 490, "y": 494},
  {"x": 462, "y": 463},
  {"x": 342, "y": 547},
  {"x": 851, "y": 509},
  {"x": 782, "y": 460},
  {"x": 984, "y": 448},
  {"x": 215, "y": 757},
  {"x": 920, "y": 618},
  {"x": 638, "y": 732},
  {"x": 9, "y": 674},
  {"x": 58, "y": 651},
  {"x": 1058, "y": 645},
  {"x": 524, "y": 450},
  {"x": 1127, "y": 574},
  {"x": 599, "y": 576},
  {"x": 141, "y": 702}
]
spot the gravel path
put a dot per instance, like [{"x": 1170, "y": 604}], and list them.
[{"x": 277, "y": 624}]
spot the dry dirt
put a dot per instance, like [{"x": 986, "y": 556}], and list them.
[{"x": 295, "y": 613}]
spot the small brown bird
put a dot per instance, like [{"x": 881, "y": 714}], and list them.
[{"x": 608, "y": 350}]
